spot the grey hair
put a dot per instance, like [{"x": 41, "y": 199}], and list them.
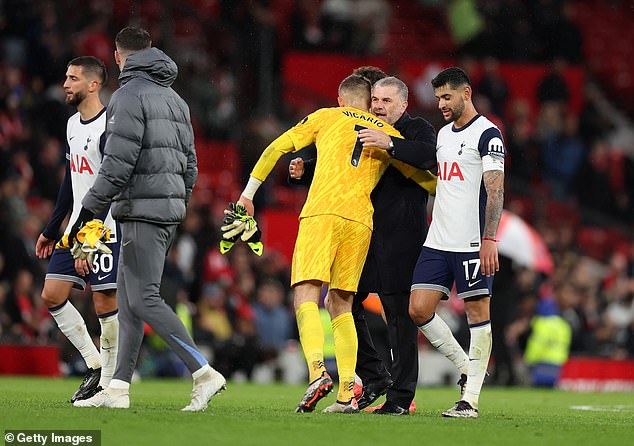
[{"x": 392, "y": 81}]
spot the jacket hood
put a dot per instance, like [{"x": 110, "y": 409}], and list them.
[{"x": 151, "y": 64}]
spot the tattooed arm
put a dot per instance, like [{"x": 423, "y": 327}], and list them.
[{"x": 494, "y": 184}]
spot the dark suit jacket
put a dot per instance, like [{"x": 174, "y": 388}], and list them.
[{"x": 400, "y": 217}]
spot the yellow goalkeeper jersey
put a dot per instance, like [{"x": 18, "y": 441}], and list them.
[{"x": 346, "y": 172}]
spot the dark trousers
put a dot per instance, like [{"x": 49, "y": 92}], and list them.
[{"x": 403, "y": 338}]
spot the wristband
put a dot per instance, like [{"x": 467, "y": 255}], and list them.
[
  {"x": 489, "y": 239},
  {"x": 251, "y": 188}
]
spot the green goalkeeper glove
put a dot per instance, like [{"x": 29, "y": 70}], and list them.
[{"x": 238, "y": 223}]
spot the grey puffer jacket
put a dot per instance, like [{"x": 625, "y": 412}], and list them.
[{"x": 149, "y": 165}]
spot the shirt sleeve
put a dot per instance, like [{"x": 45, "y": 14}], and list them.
[
  {"x": 63, "y": 204},
  {"x": 492, "y": 150},
  {"x": 305, "y": 132},
  {"x": 281, "y": 146},
  {"x": 419, "y": 149}
]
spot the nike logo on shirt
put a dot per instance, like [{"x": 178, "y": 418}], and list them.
[
  {"x": 473, "y": 283},
  {"x": 102, "y": 277}
]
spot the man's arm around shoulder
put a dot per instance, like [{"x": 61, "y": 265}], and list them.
[{"x": 419, "y": 146}]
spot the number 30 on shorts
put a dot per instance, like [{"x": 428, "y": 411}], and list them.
[{"x": 103, "y": 263}]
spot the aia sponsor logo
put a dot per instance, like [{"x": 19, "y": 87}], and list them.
[
  {"x": 80, "y": 164},
  {"x": 449, "y": 171}
]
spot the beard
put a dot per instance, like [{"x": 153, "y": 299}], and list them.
[
  {"x": 76, "y": 98},
  {"x": 456, "y": 112}
]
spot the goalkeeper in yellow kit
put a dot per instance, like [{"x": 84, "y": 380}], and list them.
[{"x": 334, "y": 231}]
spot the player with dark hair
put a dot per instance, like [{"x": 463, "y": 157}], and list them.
[
  {"x": 461, "y": 247},
  {"x": 132, "y": 39},
  {"x": 370, "y": 72},
  {"x": 335, "y": 229},
  {"x": 85, "y": 139},
  {"x": 148, "y": 175}
]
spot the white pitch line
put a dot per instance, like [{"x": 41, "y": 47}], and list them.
[{"x": 614, "y": 408}]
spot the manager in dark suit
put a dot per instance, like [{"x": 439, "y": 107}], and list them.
[{"x": 400, "y": 227}]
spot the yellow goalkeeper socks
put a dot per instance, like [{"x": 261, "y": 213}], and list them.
[
  {"x": 311, "y": 336},
  {"x": 346, "y": 345}
]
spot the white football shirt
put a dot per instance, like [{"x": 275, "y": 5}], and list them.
[
  {"x": 463, "y": 155},
  {"x": 85, "y": 142}
]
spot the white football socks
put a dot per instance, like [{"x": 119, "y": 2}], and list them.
[
  {"x": 479, "y": 354},
  {"x": 439, "y": 335},
  {"x": 119, "y": 386},
  {"x": 73, "y": 326},
  {"x": 109, "y": 347}
]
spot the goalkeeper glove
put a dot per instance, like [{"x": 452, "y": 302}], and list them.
[
  {"x": 238, "y": 223},
  {"x": 252, "y": 235},
  {"x": 232, "y": 226},
  {"x": 91, "y": 240},
  {"x": 63, "y": 242},
  {"x": 84, "y": 216}
]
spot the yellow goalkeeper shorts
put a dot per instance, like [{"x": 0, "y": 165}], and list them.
[{"x": 330, "y": 249}]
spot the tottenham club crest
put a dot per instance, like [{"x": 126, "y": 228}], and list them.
[{"x": 87, "y": 142}]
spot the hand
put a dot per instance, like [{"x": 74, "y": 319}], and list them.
[
  {"x": 489, "y": 262},
  {"x": 248, "y": 204},
  {"x": 84, "y": 217},
  {"x": 374, "y": 138},
  {"x": 44, "y": 247},
  {"x": 82, "y": 266},
  {"x": 296, "y": 168}
]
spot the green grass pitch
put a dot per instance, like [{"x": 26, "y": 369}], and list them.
[{"x": 249, "y": 414}]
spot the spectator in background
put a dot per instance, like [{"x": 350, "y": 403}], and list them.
[
  {"x": 48, "y": 168},
  {"x": 243, "y": 351},
  {"x": 23, "y": 308},
  {"x": 213, "y": 323},
  {"x": 306, "y": 25},
  {"x": 553, "y": 87},
  {"x": 595, "y": 188},
  {"x": 549, "y": 340},
  {"x": 272, "y": 318},
  {"x": 372, "y": 18},
  {"x": 617, "y": 293},
  {"x": 467, "y": 25},
  {"x": 493, "y": 86},
  {"x": 15, "y": 241},
  {"x": 560, "y": 35},
  {"x": 5, "y": 319},
  {"x": 563, "y": 154},
  {"x": 524, "y": 149}
]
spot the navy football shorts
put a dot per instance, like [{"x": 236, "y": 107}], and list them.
[
  {"x": 438, "y": 270},
  {"x": 103, "y": 274}
]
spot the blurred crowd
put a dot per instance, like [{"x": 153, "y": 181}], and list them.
[{"x": 565, "y": 177}]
